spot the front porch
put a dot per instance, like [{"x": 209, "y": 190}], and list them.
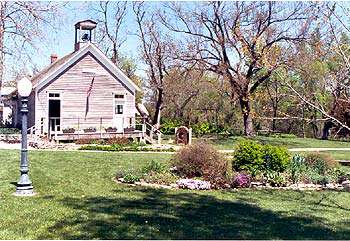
[
  {"x": 71, "y": 129},
  {"x": 60, "y": 136}
]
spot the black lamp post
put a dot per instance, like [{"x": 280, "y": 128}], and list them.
[{"x": 24, "y": 185}]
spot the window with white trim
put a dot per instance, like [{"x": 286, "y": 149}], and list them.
[
  {"x": 118, "y": 104},
  {"x": 54, "y": 95}
]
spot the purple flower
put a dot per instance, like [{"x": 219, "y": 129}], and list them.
[{"x": 241, "y": 180}]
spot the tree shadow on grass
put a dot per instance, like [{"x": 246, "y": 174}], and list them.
[{"x": 159, "y": 214}]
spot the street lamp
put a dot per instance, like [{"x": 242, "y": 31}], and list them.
[{"x": 24, "y": 185}]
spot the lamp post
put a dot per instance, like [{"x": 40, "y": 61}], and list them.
[{"x": 24, "y": 185}]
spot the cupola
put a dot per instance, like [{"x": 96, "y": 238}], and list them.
[{"x": 84, "y": 33}]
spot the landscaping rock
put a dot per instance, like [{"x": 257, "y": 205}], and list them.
[
  {"x": 38, "y": 142},
  {"x": 333, "y": 186},
  {"x": 257, "y": 184}
]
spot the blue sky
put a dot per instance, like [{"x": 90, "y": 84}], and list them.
[{"x": 61, "y": 40}]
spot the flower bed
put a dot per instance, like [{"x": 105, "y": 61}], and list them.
[{"x": 201, "y": 167}]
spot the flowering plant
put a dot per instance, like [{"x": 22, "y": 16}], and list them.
[
  {"x": 241, "y": 180},
  {"x": 193, "y": 184}
]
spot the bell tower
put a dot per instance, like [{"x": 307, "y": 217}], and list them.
[{"x": 84, "y": 33}]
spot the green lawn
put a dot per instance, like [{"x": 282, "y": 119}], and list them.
[
  {"x": 78, "y": 200},
  {"x": 229, "y": 143},
  {"x": 337, "y": 155}
]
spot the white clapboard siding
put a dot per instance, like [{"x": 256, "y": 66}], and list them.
[{"x": 73, "y": 86}]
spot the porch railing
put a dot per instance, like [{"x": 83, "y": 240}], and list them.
[{"x": 99, "y": 125}]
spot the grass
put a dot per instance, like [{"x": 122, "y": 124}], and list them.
[
  {"x": 77, "y": 199},
  {"x": 337, "y": 155},
  {"x": 230, "y": 142}
]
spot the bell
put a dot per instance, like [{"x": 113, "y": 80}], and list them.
[{"x": 85, "y": 37}]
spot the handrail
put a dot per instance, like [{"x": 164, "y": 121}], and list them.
[
  {"x": 31, "y": 130},
  {"x": 149, "y": 132}
]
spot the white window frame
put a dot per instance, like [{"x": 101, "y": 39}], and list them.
[
  {"x": 120, "y": 102},
  {"x": 54, "y": 98}
]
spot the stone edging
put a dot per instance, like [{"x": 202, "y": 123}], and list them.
[{"x": 295, "y": 187}]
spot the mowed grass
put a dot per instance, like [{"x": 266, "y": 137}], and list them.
[
  {"x": 77, "y": 199},
  {"x": 229, "y": 142},
  {"x": 337, "y": 155}
]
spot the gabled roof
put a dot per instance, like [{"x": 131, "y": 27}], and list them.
[
  {"x": 35, "y": 79},
  {"x": 46, "y": 75}
]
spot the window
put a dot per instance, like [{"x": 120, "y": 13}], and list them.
[
  {"x": 118, "y": 104},
  {"x": 54, "y": 95},
  {"x": 119, "y": 109},
  {"x": 118, "y": 96}
]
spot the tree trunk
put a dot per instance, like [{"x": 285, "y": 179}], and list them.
[
  {"x": 274, "y": 118},
  {"x": 247, "y": 119},
  {"x": 158, "y": 107},
  {"x": 326, "y": 128},
  {"x": 303, "y": 124}
]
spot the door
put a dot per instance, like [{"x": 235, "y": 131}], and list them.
[
  {"x": 54, "y": 115},
  {"x": 118, "y": 112}
]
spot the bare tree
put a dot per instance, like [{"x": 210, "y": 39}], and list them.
[
  {"x": 155, "y": 51},
  {"x": 339, "y": 114},
  {"x": 240, "y": 41},
  {"x": 21, "y": 23},
  {"x": 111, "y": 18},
  {"x": 327, "y": 93},
  {"x": 182, "y": 86}
]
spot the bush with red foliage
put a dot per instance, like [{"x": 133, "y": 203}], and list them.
[{"x": 201, "y": 160}]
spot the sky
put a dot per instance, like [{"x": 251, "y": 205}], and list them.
[{"x": 60, "y": 41}]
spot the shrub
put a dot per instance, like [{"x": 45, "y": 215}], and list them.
[
  {"x": 201, "y": 160},
  {"x": 9, "y": 131},
  {"x": 313, "y": 176},
  {"x": 83, "y": 141},
  {"x": 276, "y": 179},
  {"x": 340, "y": 174},
  {"x": 116, "y": 147},
  {"x": 118, "y": 140},
  {"x": 297, "y": 168},
  {"x": 275, "y": 158},
  {"x": 97, "y": 142},
  {"x": 320, "y": 162},
  {"x": 129, "y": 175},
  {"x": 131, "y": 178},
  {"x": 201, "y": 128},
  {"x": 256, "y": 158},
  {"x": 168, "y": 126},
  {"x": 241, "y": 180},
  {"x": 248, "y": 156},
  {"x": 155, "y": 167},
  {"x": 165, "y": 178}
]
